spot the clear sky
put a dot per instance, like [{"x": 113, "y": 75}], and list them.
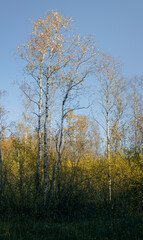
[{"x": 116, "y": 24}]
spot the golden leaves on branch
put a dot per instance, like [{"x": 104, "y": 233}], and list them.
[
  {"x": 54, "y": 51},
  {"x": 48, "y": 36}
]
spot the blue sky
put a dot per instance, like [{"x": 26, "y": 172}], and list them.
[{"x": 117, "y": 26}]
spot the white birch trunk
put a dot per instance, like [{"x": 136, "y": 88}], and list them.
[
  {"x": 45, "y": 132},
  {"x": 108, "y": 146},
  {"x": 45, "y": 145},
  {"x": 39, "y": 131}
]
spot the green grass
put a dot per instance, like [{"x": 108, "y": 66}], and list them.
[{"x": 117, "y": 228}]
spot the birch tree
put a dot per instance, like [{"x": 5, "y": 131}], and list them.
[
  {"x": 54, "y": 57},
  {"x": 44, "y": 54},
  {"x": 81, "y": 63},
  {"x": 111, "y": 86}
]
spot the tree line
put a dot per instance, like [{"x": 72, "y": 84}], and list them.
[{"x": 57, "y": 161}]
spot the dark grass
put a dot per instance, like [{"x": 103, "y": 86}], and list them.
[{"x": 105, "y": 227}]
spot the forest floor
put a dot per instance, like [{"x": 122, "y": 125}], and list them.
[{"x": 115, "y": 228}]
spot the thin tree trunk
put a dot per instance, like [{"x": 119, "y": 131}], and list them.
[
  {"x": 135, "y": 117},
  {"x": 109, "y": 162},
  {"x": 108, "y": 148},
  {"x": 59, "y": 155},
  {"x": 26, "y": 134},
  {"x": 39, "y": 146},
  {"x": 39, "y": 133},
  {"x": 45, "y": 145},
  {"x": 20, "y": 161},
  {"x": 45, "y": 132},
  {"x": 53, "y": 179}
]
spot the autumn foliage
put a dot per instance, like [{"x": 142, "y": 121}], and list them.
[{"x": 59, "y": 162}]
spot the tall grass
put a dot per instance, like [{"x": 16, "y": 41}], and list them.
[{"x": 104, "y": 227}]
